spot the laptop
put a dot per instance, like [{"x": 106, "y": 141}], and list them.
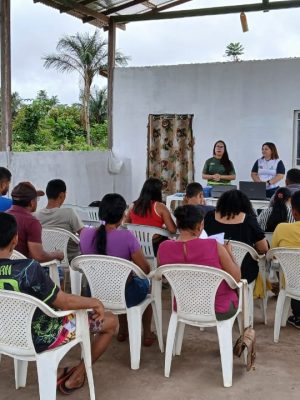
[
  {"x": 218, "y": 190},
  {"x": 254, "y": 190}
]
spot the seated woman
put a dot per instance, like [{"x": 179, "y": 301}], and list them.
[
  {"x": 149, "y": 210},
  {"x": 235, "y": 217},
  {"x": 190, "y": 249},
  {"x": 280, "y": 211},
  {"x": 111, "y": 241}
]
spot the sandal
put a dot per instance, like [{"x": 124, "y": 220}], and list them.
[
  {"x": 64, "y": 390},
  {"x": 122, "y": 337},
  {"x": 148, "y": 341},
  {"x": 66, "y": 374}
]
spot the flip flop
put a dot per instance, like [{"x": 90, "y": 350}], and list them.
[
  {"x": 64, "y": 390},
  {"x": 66, "y": 374}
]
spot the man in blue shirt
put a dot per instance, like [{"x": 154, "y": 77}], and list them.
[{"x": 5, "y": 177}]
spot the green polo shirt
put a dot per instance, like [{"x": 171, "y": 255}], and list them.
[{"x": 213, "y": 166}]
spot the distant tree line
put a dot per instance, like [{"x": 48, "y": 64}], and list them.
[{"x": 43, "y": 123}]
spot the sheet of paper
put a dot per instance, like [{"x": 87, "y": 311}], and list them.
[{"x": 219, "y": 237}]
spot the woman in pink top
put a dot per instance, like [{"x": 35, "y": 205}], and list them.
[
  {"x": 189, "y": 249},
  {"x": 149, "y": 210}
]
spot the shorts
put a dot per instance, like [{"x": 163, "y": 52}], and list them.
[
  {"x": 136, "y": 291},
  {"x": 61, "y": 331}
]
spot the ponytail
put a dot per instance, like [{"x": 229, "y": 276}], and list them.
[{"x": 101, "y": 240}]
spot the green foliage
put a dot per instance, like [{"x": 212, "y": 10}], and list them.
[
  {"x": 45, "y": 125},
  {"x": 26, "y": 122},
  {"x": 98, "y": 105},
  {"x": 234, "y": 50}
]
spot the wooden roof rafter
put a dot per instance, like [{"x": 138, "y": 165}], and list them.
[
  {"x": 155, "y": 15},
  {"x": 70, "y": 5}
]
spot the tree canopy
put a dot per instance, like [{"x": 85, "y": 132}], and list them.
[
  {"x": 86, "y": 54},
  {"x": 234, "y": 50}
]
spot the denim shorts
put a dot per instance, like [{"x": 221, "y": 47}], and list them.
[{"x": 136, "y": 291}]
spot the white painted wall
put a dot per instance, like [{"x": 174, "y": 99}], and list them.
[
  {"x": 245, "y": 104},
  {"x": 85, "y": 173}
]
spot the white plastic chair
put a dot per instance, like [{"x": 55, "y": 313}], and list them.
[
  {"x": 17, "y": 310},
  {"x": 144, "y": 235},
  {"x": 107, "y": 277},
  {"x": 57, "y": 239},
  {"x": 88, "y": 215},
  {"x": 52, "y": 265},
  {"x": 195, "y": 287},
  {"x": 239, "y": 251},
  {"x": 289, "y": 260}
]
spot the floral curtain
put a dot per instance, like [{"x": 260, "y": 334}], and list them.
[{"x": 170, "y": 151}]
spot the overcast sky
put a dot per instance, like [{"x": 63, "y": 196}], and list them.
[{"x": 37, "y": 28}]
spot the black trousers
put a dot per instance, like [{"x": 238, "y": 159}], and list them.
[{"x": 295, "y": 304}]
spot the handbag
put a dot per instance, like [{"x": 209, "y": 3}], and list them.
[{"x": 246, "y": 341}]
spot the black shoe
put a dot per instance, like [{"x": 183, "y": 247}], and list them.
[{"x": 292, "y": 320}]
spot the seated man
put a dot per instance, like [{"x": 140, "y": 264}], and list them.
[
  {"x": 194, "y": 196},
  {"x": 288, "y": 235},
  {"x": 53, "y": 216},
  {"x": 27, "y": 276},
  {"x": 24, "y": 198},
  {"x": 5, "y": 177}
]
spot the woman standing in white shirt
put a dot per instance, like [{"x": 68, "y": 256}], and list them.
[{"x": 269, "y": 168}]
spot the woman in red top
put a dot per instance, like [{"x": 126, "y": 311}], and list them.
[{"x": 149, "y": 210}]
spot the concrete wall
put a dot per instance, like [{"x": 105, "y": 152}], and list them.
[
  {"x": 85, "y": 173},
  {"x": 244, "y": 103}
]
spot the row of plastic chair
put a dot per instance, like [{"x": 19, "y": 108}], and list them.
[{"x": 194, "y": 305}]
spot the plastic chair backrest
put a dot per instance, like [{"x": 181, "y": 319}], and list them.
[
  {"x": 289, "y": 260},
  {"x": 88, "y": 215},
  {"x": 17, "y": 310},
  {"x": 239, "y": 250},
  {"x": 195, "y": 287},
  {"x": 144, "y": 235},
  {"x": 107, "y": 277},
  {"x": 57, "y": 239},
  {"x": 16, "y": 255}
]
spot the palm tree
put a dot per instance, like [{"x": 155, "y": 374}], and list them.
[
  {"x": 234, "y": 50},
  {"x": 87, "y": 54},
  {"x": 98, "y": 105}
]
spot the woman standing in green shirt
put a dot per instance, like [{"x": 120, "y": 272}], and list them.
[{"x": 219, "y": 170}]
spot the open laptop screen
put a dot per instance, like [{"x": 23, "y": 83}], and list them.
[{"x": 254, "y": 190}]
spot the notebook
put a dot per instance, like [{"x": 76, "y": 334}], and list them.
[{"x": 254, "y": 190}]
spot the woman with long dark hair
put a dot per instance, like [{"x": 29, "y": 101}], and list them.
[
  {"x": 111, "y": 241},
  {"x": 219, "y": 169},
  {"x": 235, "y": 217},
  {"x": 269, "y": 168},
  {"x": 280, "y": 211},
  {"x": 149, "y": 210}
]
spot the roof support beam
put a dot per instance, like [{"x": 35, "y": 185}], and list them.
[
  {"x": 170, "y": 5},
  {"x": 110, "y": 83},
  {"x": 208, "y": 11},
  {"x": 6, "y": 126}
]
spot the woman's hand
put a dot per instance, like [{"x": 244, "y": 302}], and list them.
[{"x": 216, "y": 177}]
